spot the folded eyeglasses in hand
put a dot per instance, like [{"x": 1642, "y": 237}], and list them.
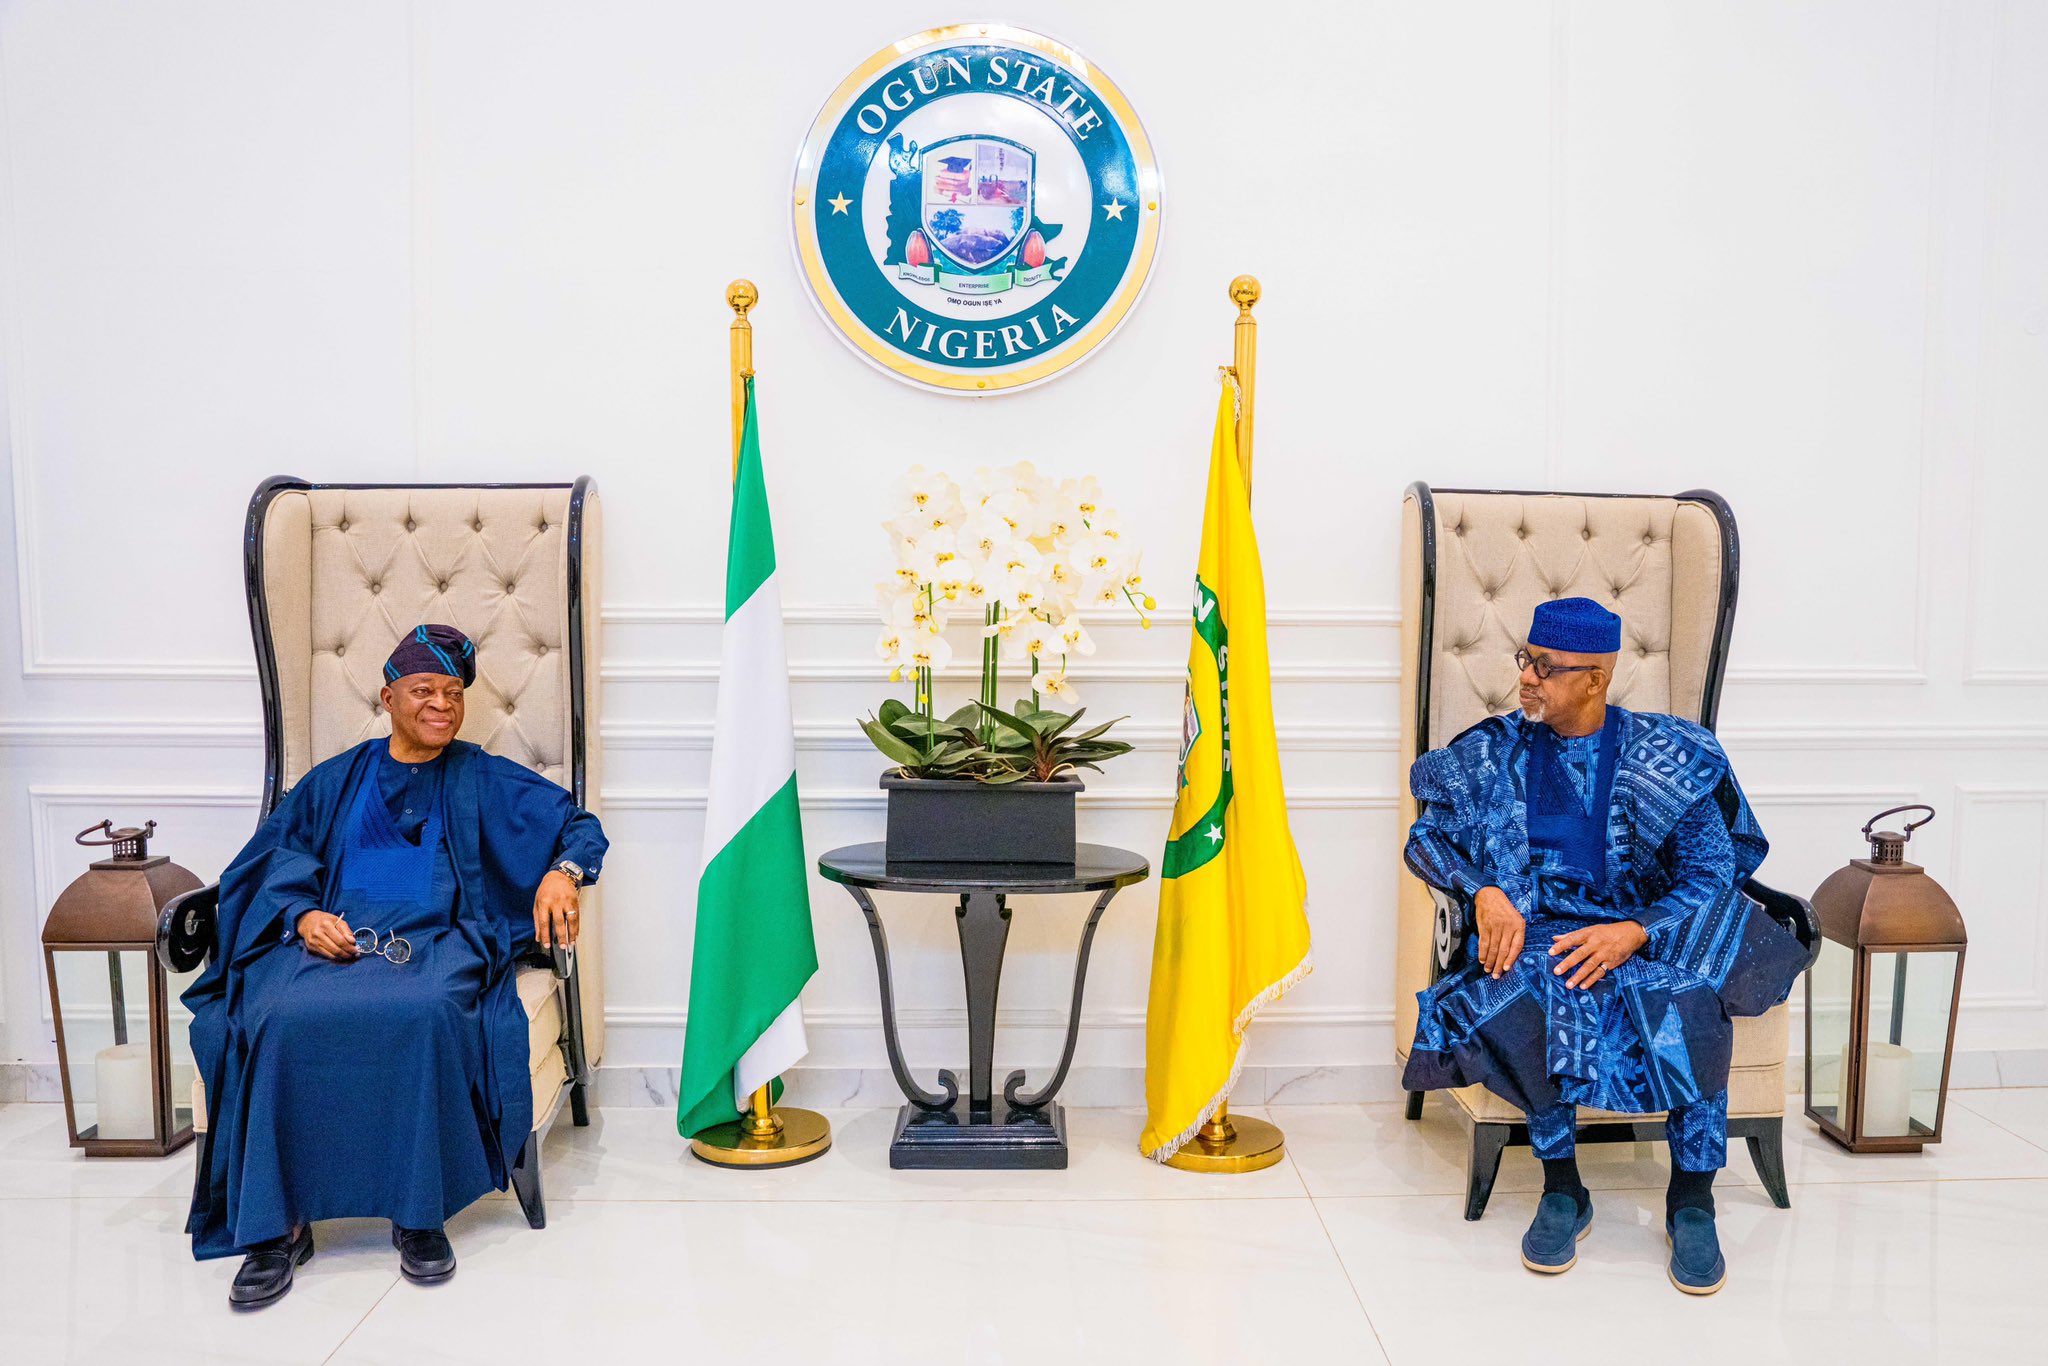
[{"x": 394, "y": 948}]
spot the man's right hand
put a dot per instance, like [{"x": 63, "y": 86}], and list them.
[
  {"x": 1500, "y": 930},
  {"x": 328, "y": 935}
]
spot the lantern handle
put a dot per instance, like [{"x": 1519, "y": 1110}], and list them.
[
  {"x": 1911, "y": 826},
  {"x": 127, "y": 842}
]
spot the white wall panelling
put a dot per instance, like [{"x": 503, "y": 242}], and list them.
[{"x": 1798, "y": 254}]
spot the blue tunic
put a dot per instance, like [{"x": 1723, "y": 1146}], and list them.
[
  {"x": 1679, "y": 841},
  {"x": 372, "y": 1088}
]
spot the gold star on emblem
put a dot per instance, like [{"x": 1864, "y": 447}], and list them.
[
  {"x": 1113, "y": 209},
  {"x": 839, "y": 203}
]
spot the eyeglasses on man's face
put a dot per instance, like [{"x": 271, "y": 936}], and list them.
[{"x": 1543, "y": 668}]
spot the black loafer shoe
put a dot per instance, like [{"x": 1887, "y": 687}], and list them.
[
  {"x": 424, "y": 1255},
  {"x": 266, "y": 1274}
]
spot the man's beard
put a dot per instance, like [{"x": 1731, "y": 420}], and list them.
[{"x": 1532, "y": 710}]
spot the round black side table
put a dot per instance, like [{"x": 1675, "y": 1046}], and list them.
[{"x": 934, "y": 1130}]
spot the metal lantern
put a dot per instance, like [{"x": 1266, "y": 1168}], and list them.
[
  {"x": 98, "y": 947},
  {"x": 1881, "y": 999}
]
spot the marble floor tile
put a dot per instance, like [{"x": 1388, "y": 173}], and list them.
[
  {"x": 1374, "y": 1149},
  {"x": 635, "y": 1154},
  {"x": 98, "y": 1280},
  {"x": 36, "y": 1160},
  {"x": 2022, "y": 1111},
  {"x": 1892, "y": 1272},
  {"x": 1006, "y": 1282},
  {"x": 1975, "y": 1146}
]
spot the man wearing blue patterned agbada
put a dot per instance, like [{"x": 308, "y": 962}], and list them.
[{"x": 1604, "y": 853}]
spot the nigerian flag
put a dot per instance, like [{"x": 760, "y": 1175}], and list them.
[
  {"x": 1233, "y": 921},
  {"x": 754, "y": 947}
]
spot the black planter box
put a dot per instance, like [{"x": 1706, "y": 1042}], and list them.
[{"x": 957, "y": 820}]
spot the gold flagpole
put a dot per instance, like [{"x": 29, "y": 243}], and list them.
[
  {"x": 764, "y": 1136},
  {"x": 1244, "y": 1144}
]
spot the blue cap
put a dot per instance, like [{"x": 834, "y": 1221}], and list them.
[{"x": 1578, "y": 626}]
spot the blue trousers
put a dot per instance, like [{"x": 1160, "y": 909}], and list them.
[{"x": 1697, "y": 1133}]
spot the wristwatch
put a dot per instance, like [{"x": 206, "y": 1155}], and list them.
[{"x": 572, "y": 868}]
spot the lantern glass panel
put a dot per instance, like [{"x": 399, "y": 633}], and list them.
[
  {"x": 104, "y": 997},
  {"x": 1910, "y": 999},
  {"x": 1829, "y": 1012}
]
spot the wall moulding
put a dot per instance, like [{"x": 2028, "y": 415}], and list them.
[
  {"x": 705, "y": 668},
  {"x": 862, "y": 799},
  {"x": 168, "y": 732}
]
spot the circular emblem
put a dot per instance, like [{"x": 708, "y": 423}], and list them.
[{"x": 977, "y": 208}]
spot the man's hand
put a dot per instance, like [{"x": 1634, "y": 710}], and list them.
[
  {"x": 1500, "y": 930},
  {"x": 1597, "y": 950},
  {"x": 554, "y": 910},
  {"x": 329, "y": 936}
]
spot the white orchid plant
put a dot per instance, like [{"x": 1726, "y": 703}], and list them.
[{"x": 1024, "y": 557}]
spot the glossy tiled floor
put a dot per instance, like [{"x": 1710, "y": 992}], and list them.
[{"x": 1351, "y": 1251}]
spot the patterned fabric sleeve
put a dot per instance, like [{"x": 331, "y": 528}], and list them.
[
  {"x": 1445, "y": 842},
  {"x": 1702, "y": 862}
]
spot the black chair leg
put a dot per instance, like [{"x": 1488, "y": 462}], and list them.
[
  {"x": 1482, "y": 1165},
  {"x": 526, "y": 1183},
  {"x": 579, "y": 1107},
  {"x": 1415, "y": 1104},
  {"x": 1767, "y": 1151}
]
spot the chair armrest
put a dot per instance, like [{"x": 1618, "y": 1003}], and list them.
[
  {"x": 1453, "y": 924},
  {"x": 564, "y": 964},
  {"x": 185, "y": 928},
  {"x": 1795, "y": 913}
]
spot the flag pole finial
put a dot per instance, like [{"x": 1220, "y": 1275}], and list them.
[
  {"x": 1244, "y": 292},
  {"x": 740, "y": 296}
]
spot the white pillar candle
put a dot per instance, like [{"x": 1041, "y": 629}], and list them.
[
  {"x": 1887, "y": 1090},
  {"x": 121, "y": 1082}
]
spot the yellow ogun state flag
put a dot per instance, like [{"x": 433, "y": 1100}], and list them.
[{"x": 1233, "y": 921}]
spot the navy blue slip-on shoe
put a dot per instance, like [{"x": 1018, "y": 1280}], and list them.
[
  {"x": 1552, "y": 1243},
  {"x": 1697, "y": 1266}
]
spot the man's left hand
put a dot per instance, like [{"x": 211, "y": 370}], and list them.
[
  {"x": 554, "y": 910},
  {"x": 1597, "y": 950}
]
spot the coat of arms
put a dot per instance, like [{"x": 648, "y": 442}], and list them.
[{"x": 976, "y": 208}]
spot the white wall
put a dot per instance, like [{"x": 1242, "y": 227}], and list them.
[{"x": 1797, "y": 253}]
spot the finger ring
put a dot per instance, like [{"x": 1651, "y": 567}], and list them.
[{"x": 572, "y": 915}]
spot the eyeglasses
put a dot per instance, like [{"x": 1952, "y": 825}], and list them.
[
  {"x": 395, "y": 949},
  {"x": 1544, "y": 668}
]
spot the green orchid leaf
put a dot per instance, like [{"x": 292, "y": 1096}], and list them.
[
  {"x": 892, "y": 746},
  {"x": 1009, "y": 722}
]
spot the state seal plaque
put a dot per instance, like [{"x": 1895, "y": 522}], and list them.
[{"x": 976, "y": 208}]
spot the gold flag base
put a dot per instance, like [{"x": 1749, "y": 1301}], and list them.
[
  {"x": 765, "y": 1137},
  {"x": 1227, "y": 1144}
]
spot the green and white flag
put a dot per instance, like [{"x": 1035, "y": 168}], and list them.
[{"x": 754, "y": 947}]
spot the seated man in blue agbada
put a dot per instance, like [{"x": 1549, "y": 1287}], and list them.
[
  {"x": 1604, "y": 852},
  {"x": 362, "y": 1044}
]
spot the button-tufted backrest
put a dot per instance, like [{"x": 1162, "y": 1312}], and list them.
[
  {"x": 1655, "y": 561},
  {"x": 491, "y": 562}
]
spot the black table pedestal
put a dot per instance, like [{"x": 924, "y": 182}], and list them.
[
  {"x": 965, "y": 1139},
  {"x": 980, "y": 1131}
]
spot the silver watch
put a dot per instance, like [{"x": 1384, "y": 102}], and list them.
[{"x": 572, "y": 868}]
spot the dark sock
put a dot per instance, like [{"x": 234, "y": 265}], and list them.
[
  {"x": 1561, "y": 1177},
  {"x": 1688, "y": 1190}
]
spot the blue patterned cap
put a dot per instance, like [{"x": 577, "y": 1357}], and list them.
[
  {"x": 433, "y": 650},
  {"x": 1578, "y": 626}
]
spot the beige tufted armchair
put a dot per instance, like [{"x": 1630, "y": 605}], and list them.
[
  {"x": 1473, "y": 567},
  {"x": 335, "y": 573}
]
